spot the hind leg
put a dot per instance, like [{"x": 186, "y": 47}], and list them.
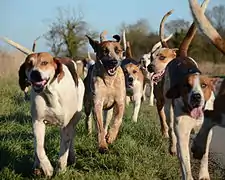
[{"x": 88, "y": 118}]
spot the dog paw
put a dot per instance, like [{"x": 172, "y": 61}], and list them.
[
  {"x": 173, "y": 151},
  {"x": 48, "y": 171},
  {"x": 71, "y": 159},
  {"x": 204, "y": 178},
  {"x": 110, "y": 138},
  {"x": 165, "y": 134},
  {"x": 103, "y": 150},
  {"x": 37, "y": 172}
]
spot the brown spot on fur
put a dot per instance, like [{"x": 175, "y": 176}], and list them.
[
  {"x": 207, "y": 86},
  {"x": 169, "y": 55},
  {"x": 135, "y": 71},
  {"x": 70, "y": 65}
]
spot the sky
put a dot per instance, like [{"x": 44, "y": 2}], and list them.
[{"x": 24, "y": 20}]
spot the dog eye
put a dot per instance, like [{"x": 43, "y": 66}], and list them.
[
  {"x": 134, "y": 71},
  {"x": 162, "y": 57},
  {"x": 105, "y": 51},
  {"x": 44, "y": 63},
  {"x": 203, "y": 86}
]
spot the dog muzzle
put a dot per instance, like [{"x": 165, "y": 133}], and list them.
[
  {"x": 195, "y": 110},
  {"x": 37, "y": 82},
  {"x": 110, "y": 66}
]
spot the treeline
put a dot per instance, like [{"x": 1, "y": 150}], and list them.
[{"x": 67, "y": 36}]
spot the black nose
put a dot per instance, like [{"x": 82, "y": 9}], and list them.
[
  {"x": 130, "y": 79},
  {"x": 196, "y": 98},
  {"x": 114, "y": 62},
  {"x": 35, "y": 76},
  {"x": 150, "y": 68},
  {"x": 110, "y": 62}
]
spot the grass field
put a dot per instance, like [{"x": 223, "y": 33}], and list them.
[{"x": 139, "y": 152}]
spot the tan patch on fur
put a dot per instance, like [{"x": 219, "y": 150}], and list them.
[
  {"x": 169, "y": 54},
  {"x": 135, "y": 71},
  {"x": 207, "y": 86}
]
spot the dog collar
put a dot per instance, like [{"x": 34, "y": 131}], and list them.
[{"x": 157, "y": 77}]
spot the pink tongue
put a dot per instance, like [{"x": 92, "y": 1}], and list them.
[
  {"x": 40, "y": 83},
  {"x": 196, "y": 113}
]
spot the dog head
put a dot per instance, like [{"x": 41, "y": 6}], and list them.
[
  {"x": 160, "y": 58},
  {"x": 133, "y": 75},
  {"x": 186, "y": 86},
  {"x": 195, "y": 90},
  {"x": 109, "y": 53},
  {"x": 40, "y": 69}
]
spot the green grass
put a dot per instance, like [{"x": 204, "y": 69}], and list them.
[{"x": 138, "y": 153}]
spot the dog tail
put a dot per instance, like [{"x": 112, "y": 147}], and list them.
[
  {"x": 190, "y": 34},
  {"x": 206, "y": 27},
  {"x": 34, "y": 43},
  {"x": 128, "y": 50},
  {"x": 102, "y": 36},
  {"x": 124, "y": 40},
  {"x": 17, "y": 46},
  {"x": 161, "y": 29}
]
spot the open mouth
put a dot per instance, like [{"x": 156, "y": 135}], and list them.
[
  {"x": 39, "y": 86},
  {"x": 111, "y": 71},
  {"x": 156, "y": 77},
  {"x": 196, "y": 112}
]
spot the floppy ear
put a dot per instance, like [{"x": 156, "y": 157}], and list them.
[
  {"x": 173, "y": 92},
  {"x": 59, "y": 73},
  {"x": 117, "y": 37},
  {"x": 94, "y": 44},
  {"x": 23, "y": 82}
]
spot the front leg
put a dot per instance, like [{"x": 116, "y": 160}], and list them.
[
  {"x": 128, "y": 99},
  {"x": 137, "y": 105},
  {"x": 151, "y": 96},
  {"x": 144, "y": 92},
  {"x": 183, "y": 127},
  {"x": 204, "y": 171},
  {"x": 102, "y": 145},
  {"x": 107, "y": 119},
  {"x": 169, "y": 112},
  {"x": 118, "y": 111},
  {"x": 41, "y": 159}
]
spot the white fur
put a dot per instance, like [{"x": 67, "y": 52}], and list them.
[
  {"x": 145, "y": 61},
  {"x": 136, "y": 93},
  {"x": 181, "y": 125},
  {"x": 64, "y": 108}
]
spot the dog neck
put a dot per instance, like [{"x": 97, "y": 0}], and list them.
[{"x": 157, "y": 77}]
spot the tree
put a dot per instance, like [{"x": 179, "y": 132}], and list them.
[
  {"x": 176, "y": 26},
  {"x": 139, "y": 36},
  {"x": 217, "y": 18},
  {"x": 66, "y": 36}
]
